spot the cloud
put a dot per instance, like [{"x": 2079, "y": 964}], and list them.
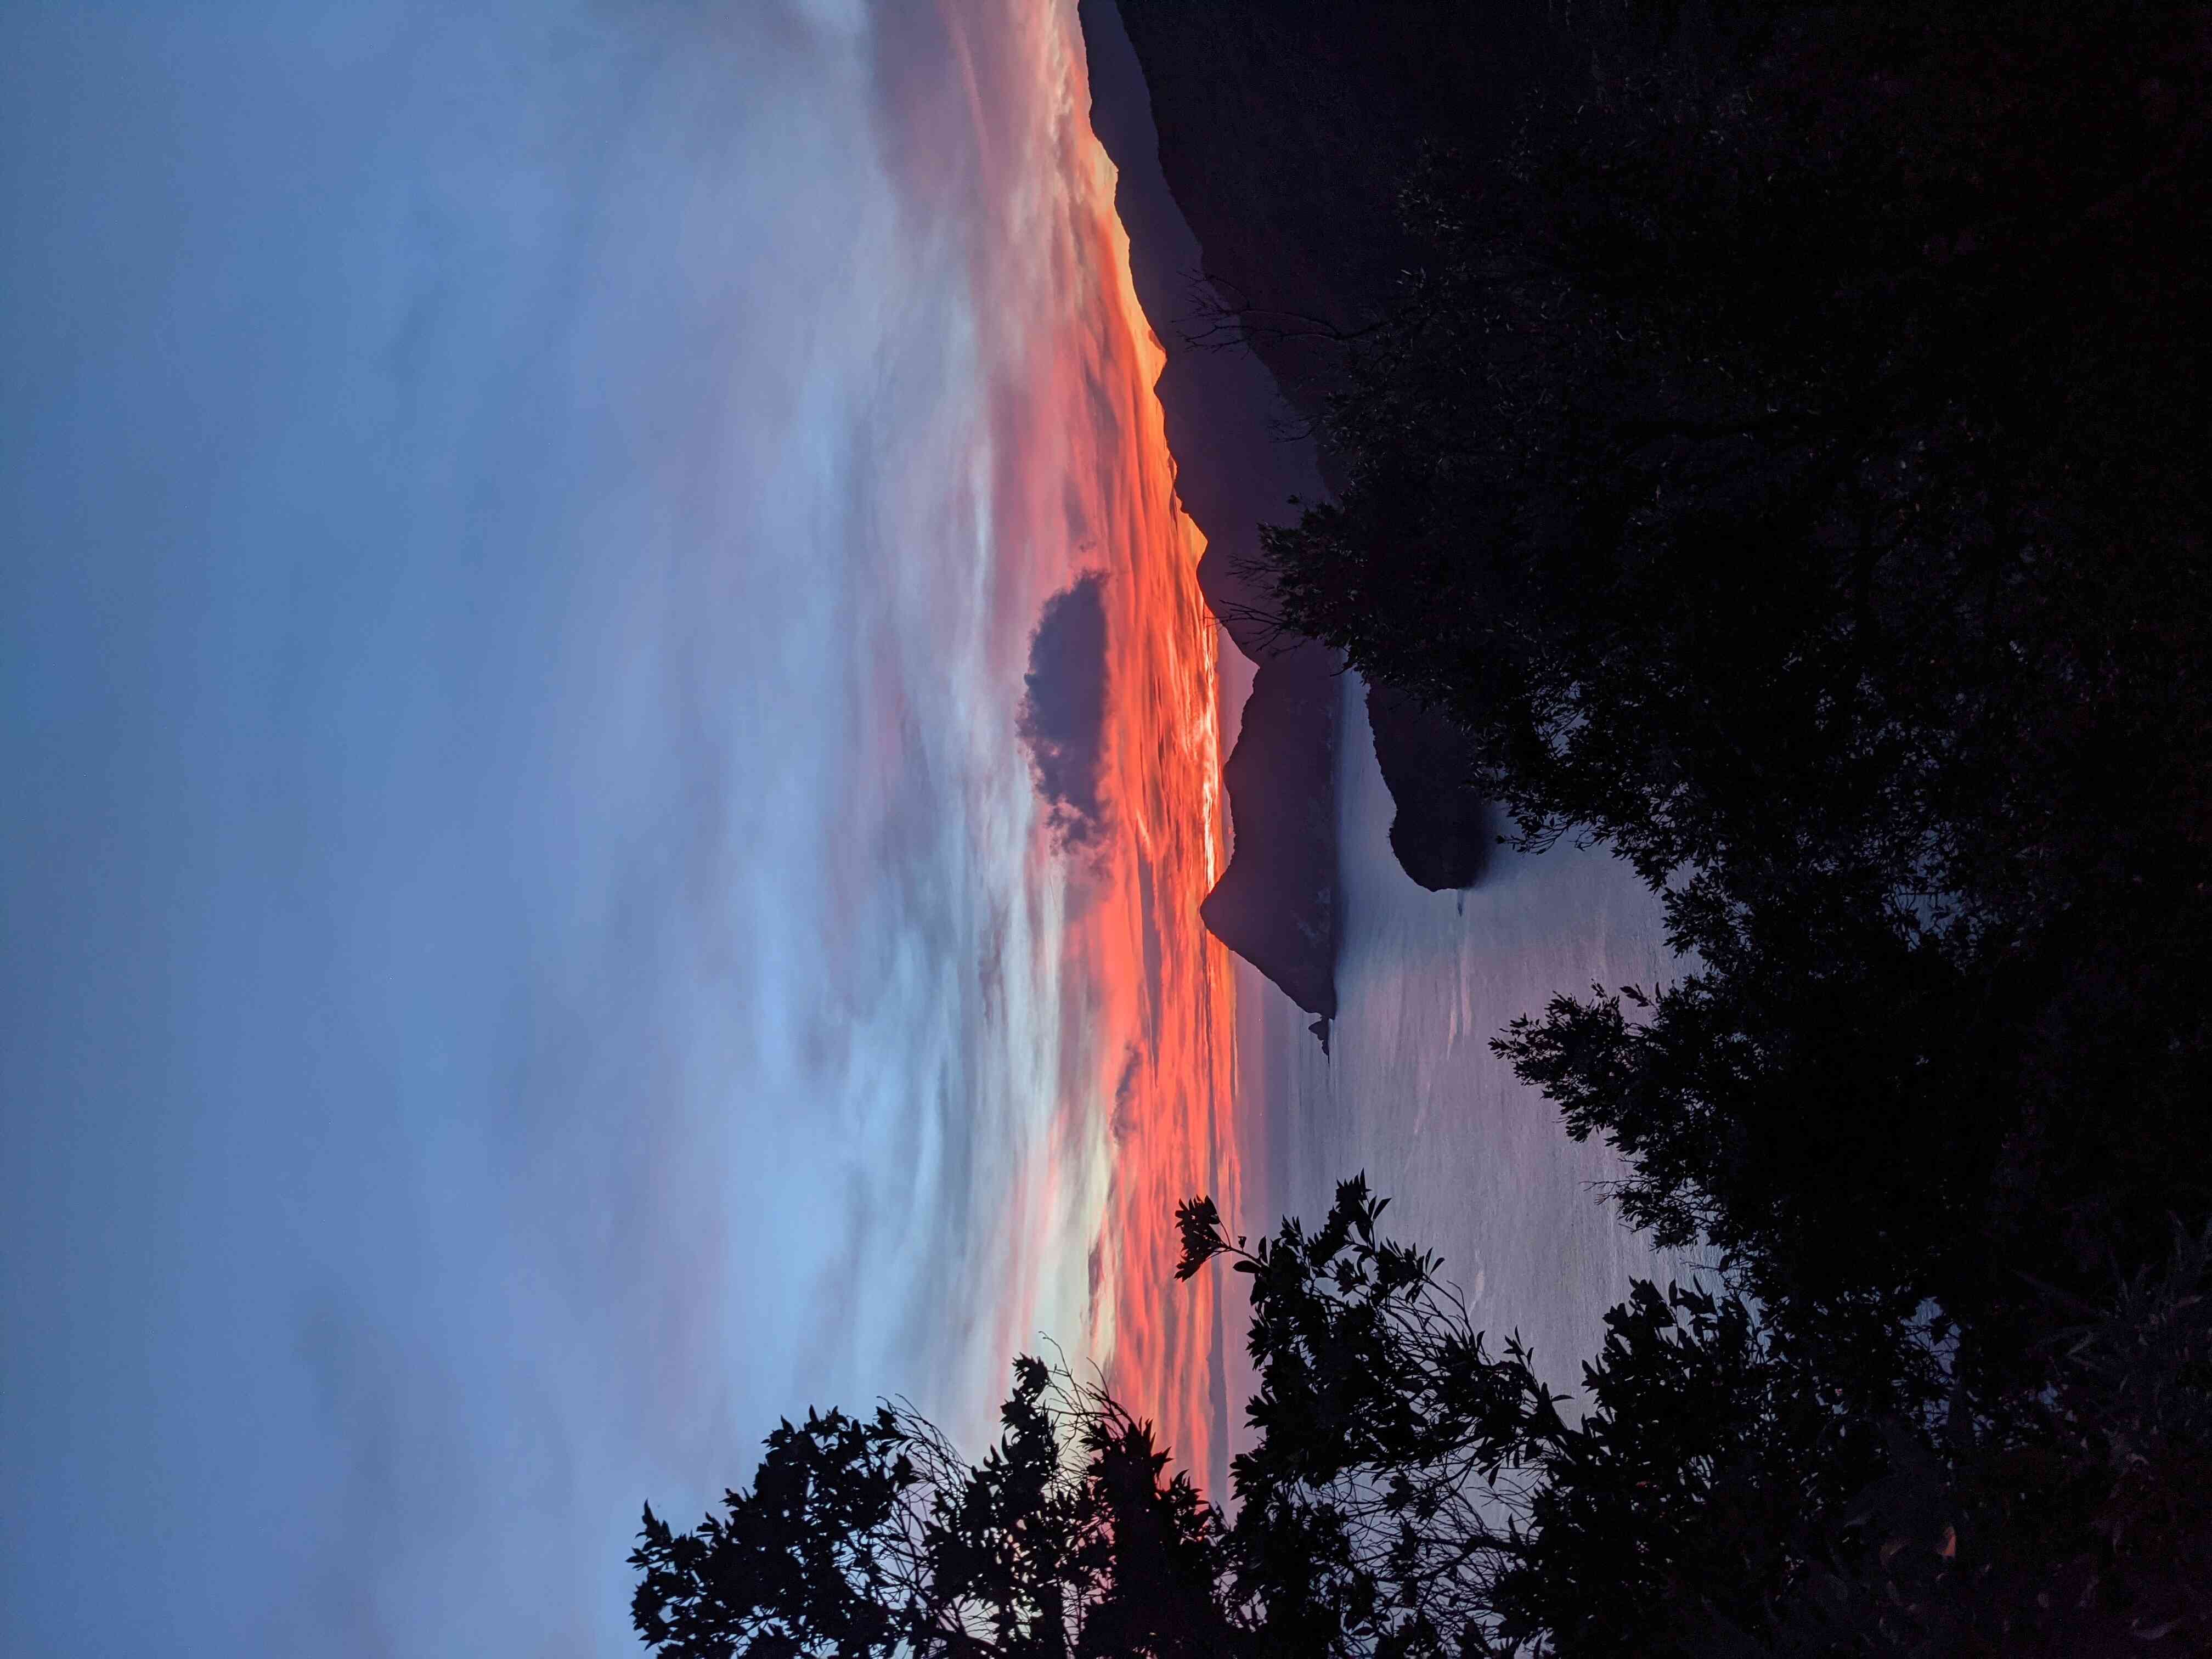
[
  {"x": 539, "y": 966},
  {"x": 1063, "y": 713},
  {"x": 536, "y": 962}
]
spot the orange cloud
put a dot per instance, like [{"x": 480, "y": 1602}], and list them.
[
  {"x": 995, "y": 141},
  {"x": 1169, "y": 1008}
]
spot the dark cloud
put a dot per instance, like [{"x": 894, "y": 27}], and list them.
[
  {"x": 1125, "y": 1092},
  {"x": 1063, "y": 713}
]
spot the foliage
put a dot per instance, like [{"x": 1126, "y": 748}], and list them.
[
  {"x": 1429, "y": 1497},
  {"x": 873, "y": 1537},
  {"x": 1409, "y": 1492},
  {"x": 2081, "y": 1527},
  {"x": 1788, "y": 471}
]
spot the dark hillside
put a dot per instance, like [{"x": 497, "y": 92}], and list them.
[
  {"x": 1288, "y": 126},
  {"x": 1284, "y": 131},
  {"x": 1790, "y": 471},
  {"x": 1275, "y": 904}
]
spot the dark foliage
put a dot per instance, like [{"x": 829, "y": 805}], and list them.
[
  {"x": 875, "y": 1537},
  {"x": 1410, "y": 1492},
  {"x": 1790, "y": 471}
]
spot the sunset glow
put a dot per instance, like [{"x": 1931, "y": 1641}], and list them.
[
  {"x": 1082, "y": 467},
  {"x": 542, "y": 945},
  {"x": 1169, "y": 985}
]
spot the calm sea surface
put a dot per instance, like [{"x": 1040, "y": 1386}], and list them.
[{"x": 1478, "y": 1166}]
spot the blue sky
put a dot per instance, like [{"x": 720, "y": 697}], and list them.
[{"x": 524, "y": 956}]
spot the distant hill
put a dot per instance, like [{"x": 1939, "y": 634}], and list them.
[
  {"x": 1275, "y": 904},
  {"x": 1284, "y": 129}
]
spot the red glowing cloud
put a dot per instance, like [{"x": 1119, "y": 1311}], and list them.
[{"x": 1081, "y": 480}]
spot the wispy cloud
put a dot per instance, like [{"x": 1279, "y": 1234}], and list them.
[{"x": 532, "y": 948}]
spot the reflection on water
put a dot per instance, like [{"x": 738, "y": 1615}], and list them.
[{"x": 1478, "y": 1166}]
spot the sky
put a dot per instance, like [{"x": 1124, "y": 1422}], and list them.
[{"x": 609, "y": 751}]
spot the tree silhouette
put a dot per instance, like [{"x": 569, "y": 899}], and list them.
[
  {"x": 1788, "y": 470},
  {"x": 1413, "y": 1492},
  {"x": 866, "y": 1536},
  {"x": 1410, "y": 1492}
]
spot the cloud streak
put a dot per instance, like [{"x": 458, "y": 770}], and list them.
[{"x": 533, "y": 947}]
